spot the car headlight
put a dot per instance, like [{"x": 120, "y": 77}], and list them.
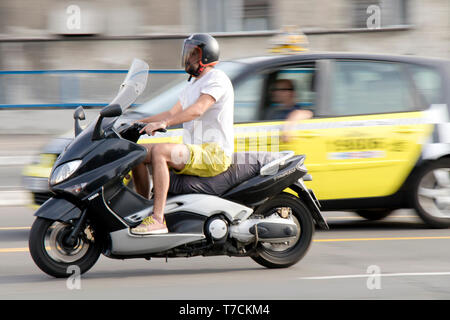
[{"x": 64, "y": 171}]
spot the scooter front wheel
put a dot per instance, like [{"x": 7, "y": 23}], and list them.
[
  {"x": 53, "y": 255},
  {"x": 283, "y": 255}
]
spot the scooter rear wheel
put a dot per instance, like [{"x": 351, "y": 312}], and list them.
[
  {"x": 53, "y": 256},
  {"x": 285, "y": 255}
]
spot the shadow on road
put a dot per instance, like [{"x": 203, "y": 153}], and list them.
[
  {"x": 151, "y": 272},
  {"x": 382, "y": 225},
  {"x": 41, "y": 277},
  {"x": 349, "y": 221}
]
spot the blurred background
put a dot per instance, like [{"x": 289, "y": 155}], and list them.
[
  {"x": 58, "y": 54},
  {"x": 37, "y": 36},
  {"x": 108, "y": 34},
  {"x": 55, "y": 34}
]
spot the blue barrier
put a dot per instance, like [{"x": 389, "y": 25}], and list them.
[
  {"x": 66, "y": 89},
  {"x": 162, "y": 71},
  {"x": 54, "y": 105}
]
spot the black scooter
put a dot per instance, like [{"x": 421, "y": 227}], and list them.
[{"x": 93, "y": 211}]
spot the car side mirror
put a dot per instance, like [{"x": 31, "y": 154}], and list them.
[{"x": 78, "y": 115}]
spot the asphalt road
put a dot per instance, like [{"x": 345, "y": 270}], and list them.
[{"x": 397, "y": 258}]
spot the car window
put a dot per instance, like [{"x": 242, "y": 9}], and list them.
[
  {"x": 301, "y": 79},
  {"x": 429, "y": 83},
  {"x": 365, "y": 87},
  {"x": 247, "y": 98}
]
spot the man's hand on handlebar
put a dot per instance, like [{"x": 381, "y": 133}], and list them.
[{"x": 152, "y": 127}]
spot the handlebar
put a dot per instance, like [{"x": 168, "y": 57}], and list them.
[
  {"x": 141, "y": 125},
  {"x": 132, "y": 131}
]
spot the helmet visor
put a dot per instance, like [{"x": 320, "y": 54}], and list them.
[{"x": 191, "y": 52}]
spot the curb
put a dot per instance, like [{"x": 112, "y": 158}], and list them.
[{"x": 15, "y": 198}]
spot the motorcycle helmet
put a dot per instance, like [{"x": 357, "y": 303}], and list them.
[{"x": 205, "y": 47}]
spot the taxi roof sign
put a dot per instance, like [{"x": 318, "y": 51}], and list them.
[{"x": 290, "y": 41}]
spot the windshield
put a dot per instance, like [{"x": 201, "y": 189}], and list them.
[
  {"x": 133, "y": 85},
  {"x": 168, "y": 98}
]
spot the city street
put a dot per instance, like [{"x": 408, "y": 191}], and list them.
[
  {"x": 397, "y": 258},
  {"x": 333, "y": 93}
]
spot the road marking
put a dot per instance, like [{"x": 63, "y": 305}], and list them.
[
  {"x": 381, "y": 239},
  {"x": 15, "y": 228},
  {"x": 9, "y": 250},
  {"x": 353, "y": 276},
  {"x": 14, "y": 250}
]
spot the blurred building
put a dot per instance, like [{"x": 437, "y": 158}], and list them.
[{"x": 55, "y": 34}]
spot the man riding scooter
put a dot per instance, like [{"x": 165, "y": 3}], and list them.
[
  {"x": 205, "y": 108},
  {"x": 244, "y": 212}
]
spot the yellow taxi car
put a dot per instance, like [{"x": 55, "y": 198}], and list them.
[{"x": 379, "y": 139}]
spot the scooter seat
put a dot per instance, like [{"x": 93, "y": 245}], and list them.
[{"x": 245, "y": 165}]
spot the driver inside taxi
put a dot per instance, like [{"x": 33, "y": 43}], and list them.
[{"x": 284, "y": 107}]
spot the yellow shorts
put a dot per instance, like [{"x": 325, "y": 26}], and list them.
[{"x": 206, "y": 160}]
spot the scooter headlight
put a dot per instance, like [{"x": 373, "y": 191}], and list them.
[{"x": 64, "y": 171}]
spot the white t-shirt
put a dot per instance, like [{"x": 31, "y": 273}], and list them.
[{"x": 216, "y": 124}]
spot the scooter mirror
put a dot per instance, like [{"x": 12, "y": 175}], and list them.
[
  {"x": 113, "y": 110},
  {"x": 110, "y": 111},
  {"x": 79, "y": 113}
]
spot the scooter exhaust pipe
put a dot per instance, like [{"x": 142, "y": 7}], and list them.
[
  {"x": 273, "y": 229},
  {"x": 274, "y": 232}
]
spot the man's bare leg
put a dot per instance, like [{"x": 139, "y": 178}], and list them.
[
  {"x": 141, "y": 177},
  {"x": 163, "y": 156},
  {"x": 141, "y": 180}
]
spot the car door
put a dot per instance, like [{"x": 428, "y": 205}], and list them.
[{"x": 371, "y": 127}]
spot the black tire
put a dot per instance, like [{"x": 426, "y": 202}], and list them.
[
  {"x": 294, "y": 253},
  {"x": 43, "y": 258},
  {"x": 373, "y": 214},
  {"x": 426, "y": 189}
]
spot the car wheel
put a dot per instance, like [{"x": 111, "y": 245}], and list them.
[
  {"x": 373, "y": 214},
  {"x": 432, "y": 194}
]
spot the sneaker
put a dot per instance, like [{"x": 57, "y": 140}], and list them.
[{"x": 150, "y": 226}]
